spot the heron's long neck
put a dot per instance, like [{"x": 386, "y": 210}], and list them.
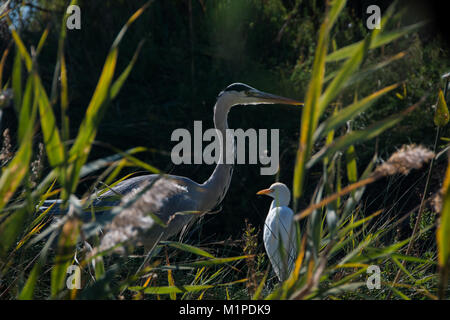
[{"x": 217, "y": 185}]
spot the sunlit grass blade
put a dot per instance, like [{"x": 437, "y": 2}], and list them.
[
  {"x": 64, "y": 256},
  {"x": 22, "y": 51},
  {"x": 344, "y": 73},
  {"x": 358, "y": 76},
  {"x": 441, "y": 116},
  {"x": 17, "y": 81},
  {"x": 215, "y": 261},
  {"x": 343, "y": 232},
  {"x": 379, "y": 41},
  {"x": 260, "y": 287},
  {"x": 10, "y": 229},
  {"x": 443, "y": 236},
  {"x": 355, "y": 137},
  {"x": 311, "y": 109},
  {"x": 88, "y": 129},
  {"x": 52, "y": 138},
  {"x": 351, "y": 111},
  {"x": 117, "y": 85},
  {"x": 172, "y": 289},
  {"x": 26, "y": 109},
  {"x": 42, "y": 40},
  {"x": 97, "y": 106},
  {"x": 2, "y": 64},
  {"x": 98, "y": 164},
  {"x": 27, "y": 292},
  {"x": 352, "y": 169},
  {"x": 187, "y": 248},
  {"x": 17, "y": 169},
  {"x": 182, "y": 289}
]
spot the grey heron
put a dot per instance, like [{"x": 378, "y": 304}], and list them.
[
  {"x": 279, "y": 235},
  {"x": 170, "y": 194}
]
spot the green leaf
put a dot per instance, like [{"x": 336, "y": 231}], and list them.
[
  {"x": 352, "y": 169},
  {"x": 22, "y": 50},
  {"x": 344, "y": 73},
  {"x": 2, "y": 65},
  {"x": 64, "y": 255},
  {"x": 311, "y": 110},
  {"x": 351, "y": 111},
  {"x": 95, "y": 165},
  {"x": 260, "y": 288},
  {"x": 52, "y": 138},
  {"x": 29, "y": 287},
  {"x": 10, "y": 229},
  {"x": 379, "y": 41},
  {"x": 171, "y": 289},
  {"x": 349, "y": 227},
  {"x": 181, "y": 289},
  {"x": 98, "y": 105},
  {"x": 115, "y": 89},
  {"x": 17, "y": 81},
  {"x": 355, "y": 137},
  {"x": 364, "y": 73},
  {"x": 443, "y": 234},
  {"x": 441, "y": 116},
  {"x": 17, "y": 168},
  {"x": 42, "y": 40},
  {"x": 26, "y": 109},
  {"x": 88, "y": 129},
  {"x": 28, "y": 290},
  {"x": 212, "y": 262},
  {"x": 187, "y": 248}
]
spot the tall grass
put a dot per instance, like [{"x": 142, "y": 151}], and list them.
[{"x": 337, "y": 242}]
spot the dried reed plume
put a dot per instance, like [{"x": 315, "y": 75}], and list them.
[
  {"x": 402, "y": 161},
  {"x": 37, "y": 166},
  {"x": 6, "y": 153},
  {"x": 131, "y": 223},
  {"x": 437, "y": 202}
]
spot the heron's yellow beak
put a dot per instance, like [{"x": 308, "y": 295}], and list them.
[
  {"x": 265, "y": 191},
  {"x": 271, "y": 98}
]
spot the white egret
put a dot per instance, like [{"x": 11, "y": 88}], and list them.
[{"x": 279, "y": 234}]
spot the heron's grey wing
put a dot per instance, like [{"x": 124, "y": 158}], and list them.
[
  {"x": 164, "y": 199},
  {"x": 131, "y": 184},
  {"x": 104, "y": 202},
  {"x": 112, "y": 196}
]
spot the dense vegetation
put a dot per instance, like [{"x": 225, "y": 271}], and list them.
[{"x": 180, "y": 55}]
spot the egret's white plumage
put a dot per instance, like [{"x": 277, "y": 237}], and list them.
[{"x": 279, "y": 231}]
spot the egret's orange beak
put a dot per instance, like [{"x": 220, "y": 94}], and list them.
[{"x": 265, "y": 191}]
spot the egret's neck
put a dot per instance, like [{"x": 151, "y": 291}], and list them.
[
  {"x": 217, "y": 185},
  {"x": 280, "y": 200}
]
